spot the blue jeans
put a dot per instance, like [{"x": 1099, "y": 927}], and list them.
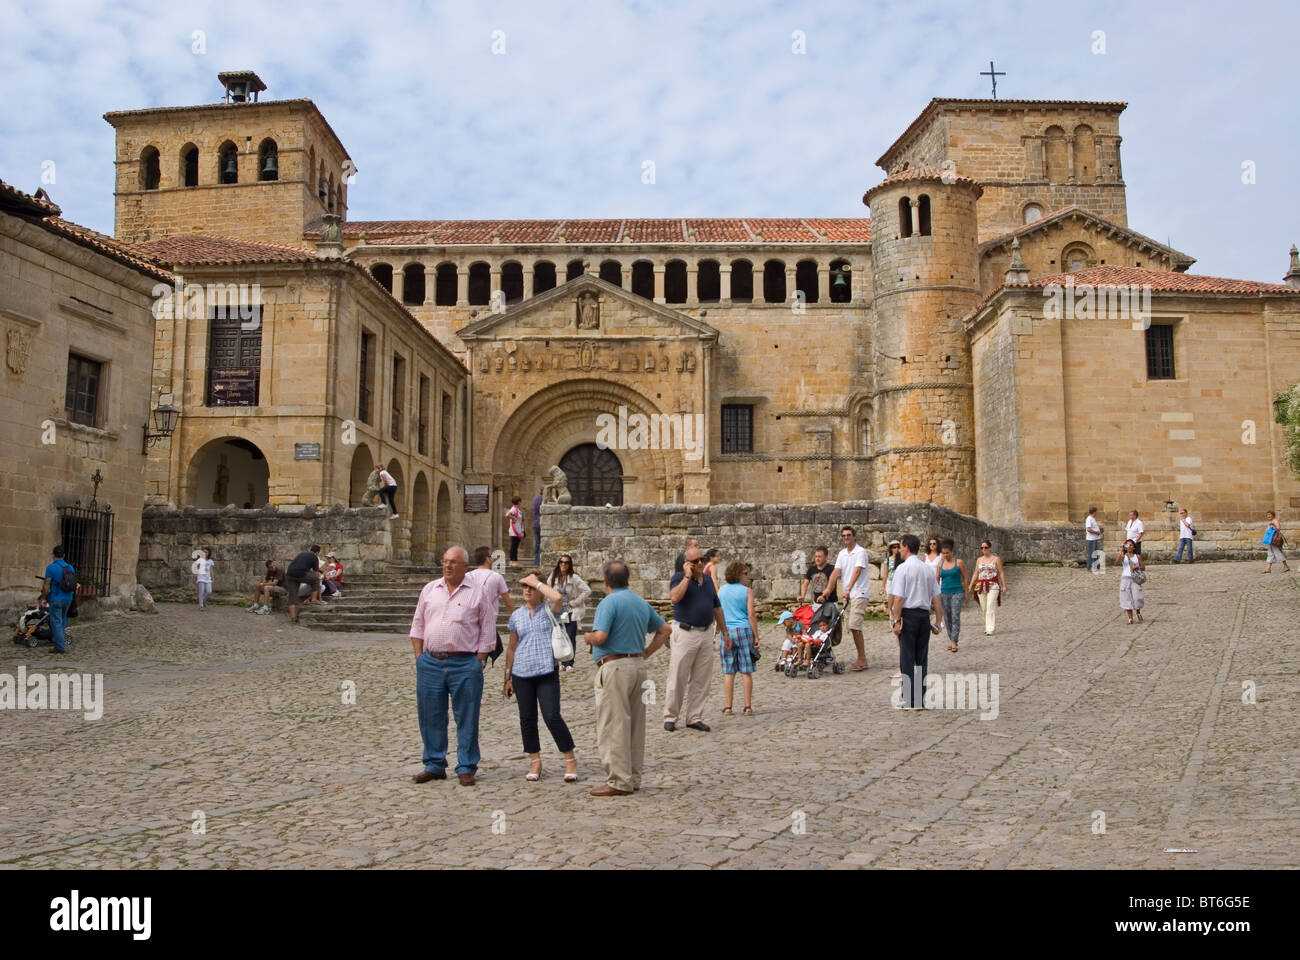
[
  {"x": 461, "y": 678},
  {"x": 1191, "y": 552},
  {"x": 1091, "y": 548},
  {"x": 59, "y": 621}
]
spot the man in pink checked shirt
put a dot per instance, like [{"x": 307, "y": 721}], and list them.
[{"x": 452, "y": 632}]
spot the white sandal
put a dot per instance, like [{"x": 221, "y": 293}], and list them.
[
  {"x": 532, "y": 777},
  {"x": 571, "y": 777}
]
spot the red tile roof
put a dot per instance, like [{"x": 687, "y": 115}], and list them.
[
  {"x": 928, "y": 172},
  {"x": 197, "y": 249},
  {"x": 44, "y": 213},
  {"x": 646, "y": 230},
  {"x": 1160, "y": 281},
  {"x": 1181, "y": 260}
]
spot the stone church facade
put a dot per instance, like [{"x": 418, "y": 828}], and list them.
[{"x": 911, "y": 355}]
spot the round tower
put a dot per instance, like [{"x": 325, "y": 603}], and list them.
[{"x": 925, "y": 271}]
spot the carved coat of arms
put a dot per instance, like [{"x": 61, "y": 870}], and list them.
[{"x": 19, "y": 350}]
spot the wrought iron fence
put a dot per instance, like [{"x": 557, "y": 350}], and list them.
[{"x": 87, "y": 537}]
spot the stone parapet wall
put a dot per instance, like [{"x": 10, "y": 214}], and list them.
[
  {"x": 243, "y": 540},
  {"x": 778, "y": 540}
]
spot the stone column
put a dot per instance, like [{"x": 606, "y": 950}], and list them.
[
  {"x": 823, "y": 281},
  {"x": 399, "y": 283},
  {"x": 791, "y": 282},
  {"x": 462, "y": 285},
  {"x": 659, "y": 283},
  {"x": 724, "y": 282},
  {"x": 494, "y": 271},
  {"x": 915, "y": 215},
  {"x": 693, "y": 283},
  {"x": 1119, "y": 173},
  {"x": 1069, "y": 159},
  {"x": 529, "y": 270},
  {"x": 430, "y": 285}
]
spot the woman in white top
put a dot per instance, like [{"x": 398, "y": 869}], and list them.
[
  {"x": 1130, "y": 592},
  {"x": 575, "y": 591},
  {"x": 203, "y": 577},
  {"x": 933, "y": 555}
]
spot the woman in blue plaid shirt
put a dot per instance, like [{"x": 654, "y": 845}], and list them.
[{"x": 531, "y": 672}]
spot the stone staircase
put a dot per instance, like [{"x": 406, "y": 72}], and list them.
[{"x": 385, "y": 602}]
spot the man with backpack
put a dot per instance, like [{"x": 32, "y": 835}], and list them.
[{"x": 60, "y": 589}]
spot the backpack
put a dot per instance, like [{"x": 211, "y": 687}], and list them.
[{"x": 68, "y": 579}]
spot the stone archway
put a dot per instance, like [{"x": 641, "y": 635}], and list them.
[
  {"x": 559, "y": 417},
  {"x": 420, "y": 503},
  {"x": 595, "y": 476},
  {"x": 442, "y": 520},
  {"x": 362, "y": 465},
  {"x": 227, "y": 470}
]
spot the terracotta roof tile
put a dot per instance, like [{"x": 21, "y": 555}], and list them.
[
  {"x": 1160, "y": 281},
  {"x": 198, "y": 249},
  {"x": 633, "y": 230},
  {"x": 45, "y": 213},
  {"x": 922, "y": 172}
]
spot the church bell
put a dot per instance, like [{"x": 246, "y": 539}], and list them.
[
  {"x": 270, "y": 168},
  {"x": 229, "y": 169}
]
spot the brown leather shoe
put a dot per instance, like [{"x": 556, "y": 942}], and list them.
[
  {"x": 466, "y": 779},
  {"x": 605, "y": 790},
  {"x": 424, "y": 776}
]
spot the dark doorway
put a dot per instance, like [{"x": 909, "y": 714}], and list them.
[{"x": 595, "y": 476}]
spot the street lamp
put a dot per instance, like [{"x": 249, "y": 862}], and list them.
[{"x": 164, "y": 422}]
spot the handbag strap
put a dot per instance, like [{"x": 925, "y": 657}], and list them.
[{"x": 550, "y": 613}]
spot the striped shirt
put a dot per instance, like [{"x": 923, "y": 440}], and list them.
[
  {"x": 533, "y": 657},
  {"x": 461, "y": 621}
]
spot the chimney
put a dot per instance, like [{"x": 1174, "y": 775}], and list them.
[
  {"x": 330, "y": 244},
  {"x": 1017, "y": 272},
  {"x": 1292, "y": 277}
]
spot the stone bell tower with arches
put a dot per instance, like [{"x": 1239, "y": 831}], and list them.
[{"x": 925, "y": 271}]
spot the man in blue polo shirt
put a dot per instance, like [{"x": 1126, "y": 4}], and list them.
[
  {"x": 696, "y": 610},
  {"x": 618, "y": 646},
  {"x": 59, "y": 598}
]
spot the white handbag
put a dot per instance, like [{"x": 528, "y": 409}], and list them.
[{"x": 561, "y": 645}]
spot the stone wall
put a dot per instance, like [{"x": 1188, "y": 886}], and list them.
[{"x": 243, "y": 540}]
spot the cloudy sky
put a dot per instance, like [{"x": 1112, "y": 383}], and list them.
[{"x": 561, "y": 117}]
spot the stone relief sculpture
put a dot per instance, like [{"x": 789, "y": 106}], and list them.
[
  {"x": 556, "y": 488},
  {"x": 588, "y": 311}
]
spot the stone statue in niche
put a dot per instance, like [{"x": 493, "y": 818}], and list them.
[
  {"x": 649, "y": 363},
  {"x": 556, "y": 487},
  {"x": 501, "y": 362},
  {"x": 690, "y": 360},
  {"x": 664, "y": 362},
  {"x": 526, "y": 365},
  {"x": 588, "y": 311},
  {"x": 587, "y": 355},
  {"x": 223, "y": 481},
  {"x": 484, "y": 364}
]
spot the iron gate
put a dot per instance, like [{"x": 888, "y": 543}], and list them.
[{"x": 87, "y": 536}]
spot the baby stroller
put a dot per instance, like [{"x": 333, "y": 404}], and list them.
[
  {"x": 824, "y": 658},
  {"x": 34, "y": 625}
]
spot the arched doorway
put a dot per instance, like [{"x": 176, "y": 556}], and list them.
[
  {"x": 399, "y": 497},
  {"x": 362, "y": 465},
  {"x": 442, "y": 520},
  {"x": 595, "y": 476},
  {"x": 420, "y": 519},
  {"x": 227, "y": 470}
]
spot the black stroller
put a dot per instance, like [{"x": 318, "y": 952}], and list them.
[
  {"x": 824, "y": 658},
  {"x": 34, "y": 627}
]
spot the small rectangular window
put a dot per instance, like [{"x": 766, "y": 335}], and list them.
[
  {"x": 1160, "y": 352},
  {"x": 82, "y": 396},
  {"x": 737, "y": 428}
]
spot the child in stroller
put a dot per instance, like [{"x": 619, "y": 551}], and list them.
[
  {"x": 34, "y": 625},
  {"x": 812, "y": 647}
]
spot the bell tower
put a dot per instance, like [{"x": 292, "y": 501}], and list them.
[
  {"x": 244, "y": 167},
  {"x": 925, "y": 273}
]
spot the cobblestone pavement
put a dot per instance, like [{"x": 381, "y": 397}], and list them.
[{"x": 242, "y": 718}]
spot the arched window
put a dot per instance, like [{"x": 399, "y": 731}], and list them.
[
  {"x": 611, "y": 271},
  {"x": 1085, "y": 154},
  {"x": 573, "y": 271},
  {"x": 268, "y": 160},
  {"x": 320, "y": 184},
  {"x": 1077, "y": 256},
  {"x": 512, "y": 281},
  {"x": 383, "y": 272},
  {"x": 742, "y": 281},
  {"x": 413, "y": 284},
  {"x": 445, "y": 282},
  {"x": 774, "y": 282},
  {"x": 543, "y": 276},
  {"x": 675, "y": 281},
  {"x": 480, "y": 284},
  {"x": 228, "y": 163},
  {"x": 1055, "y": 155},
  {"x": 1033, "y": 211},
  {"x": 904, "y": 217},
  {"x": 189, "y": 166},
  {"x": 329, "y": 194},
  {"x": 923, "y": 215},
  {"x": 643, "y": 279},
  {"x": 311, "y": 169},
  {"x": 150, "y": 174},
  {"x": 841, "y": 282},
  {"x": 805, "y": 279},
  {"x": 708, "y": 282}
]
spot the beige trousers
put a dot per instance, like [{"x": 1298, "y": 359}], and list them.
[
  {"x": 690, "y": 668},
  {"x": 620, "y": 721},
  {"x": 989, "y": 604}
]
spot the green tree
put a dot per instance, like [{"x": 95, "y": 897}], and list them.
[{"x": 1287, "y": 406}]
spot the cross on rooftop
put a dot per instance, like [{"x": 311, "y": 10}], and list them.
[{"x": 993, "y": 75}]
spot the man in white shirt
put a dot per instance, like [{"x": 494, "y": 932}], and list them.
[
  {"x": 1185, "y": 534},
  {"x": 851, "y": 570},
  {"x": 1092, "y": 538},
  {"x": 1133, "y": 530},
  {"x": 388, "y": 491},
  {"x": 913, "y": 597}
]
